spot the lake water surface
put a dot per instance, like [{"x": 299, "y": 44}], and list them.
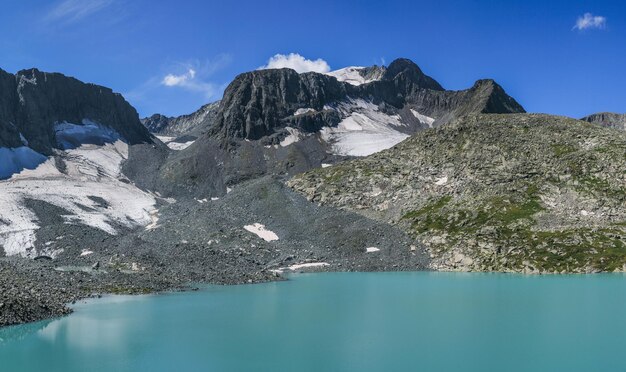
[{"x": 342, "y": 322}]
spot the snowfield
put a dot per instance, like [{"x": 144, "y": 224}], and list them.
[
  {"x": 351, "y": 75},
  {"x": 364, "y": 131},
  {"x": 178, "y": 146},
  {"x": 90, "y": 189},
  {"x": 423, "y": 118}
]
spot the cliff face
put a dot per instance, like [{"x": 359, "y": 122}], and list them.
[
  {"x": 33, "y": 102},
  {"x": 255, "y": 103}
]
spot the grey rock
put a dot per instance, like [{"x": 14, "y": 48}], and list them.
[{"x": 608, "y": 119}]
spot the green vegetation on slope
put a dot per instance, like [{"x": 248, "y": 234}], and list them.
[{"x": 531, "y": 193}]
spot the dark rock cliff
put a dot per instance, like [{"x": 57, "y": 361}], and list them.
[{"x": 32, "y": 102}]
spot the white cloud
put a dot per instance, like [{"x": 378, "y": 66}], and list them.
[
  {"x": 192, "y": 76},
  {"x": 172, "y": 80},
  {"x": 296, "y": 62},
  {"x": 189, "y": 80},
  {"x": 75, "y": 10},
  {"x": 589, "y": 21}
]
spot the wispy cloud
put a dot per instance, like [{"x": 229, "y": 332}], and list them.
[
  {"x": 297, "y": 62},
  {"x": 75, "y": 10},
  {"x": 193, "y": 75},
  {"x": 589, "y": 21}
]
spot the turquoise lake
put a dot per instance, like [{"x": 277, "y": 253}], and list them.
[{"x": 342, "y": 322}]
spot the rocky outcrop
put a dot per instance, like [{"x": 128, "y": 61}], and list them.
[
  {"x": 608, "y": 119},
  {"x": 523, "y": 193},
  {"x": 192, "y": 125},
  {"x": 32, "y": 102},
  {"x": 255, "y": 103}
]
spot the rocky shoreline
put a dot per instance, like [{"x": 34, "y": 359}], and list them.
[{"x": 200, "y": 247}]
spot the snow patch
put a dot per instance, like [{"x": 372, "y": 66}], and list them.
[
  {"x": 178, "y": 146},
  {"x": 351, "y": 75},
  {"x": 293, "y": 137},
  {"x": 423, "y": 118},
  {"x": 261, "y": 232},
  {"x": 85, "y": 252},
  {"x": 302, "y": 111},
  {"x": 364, "y": 131},
  {"x": 307, "y": 265},
  {"x": 324, "y": 165},
  {"x": 172, "y": 144},
  {"x": 371, "y": 249}
]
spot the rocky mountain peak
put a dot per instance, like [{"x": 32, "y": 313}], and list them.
[
  {"x": 407, "y": 71},
  {"x": 498, "y": 100}
]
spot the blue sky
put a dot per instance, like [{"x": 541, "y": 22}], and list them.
[{"x": 173, "y": 56}]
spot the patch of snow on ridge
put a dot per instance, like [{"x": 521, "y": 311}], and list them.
[
  {"x": 364, "y": 131},
  {"x": 350, "y": 75},
  {"x": 423, "y": 118},
  {"x": 372, "y": 249},
  {"x": 260, "y": 231},
  {"x": 91, "y": 173}
]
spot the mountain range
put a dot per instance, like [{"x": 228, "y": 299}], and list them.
[{"x": 362, "y": 168}]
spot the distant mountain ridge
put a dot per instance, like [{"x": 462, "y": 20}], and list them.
[
  {"x": 608, "y": 119},
  {"x": 194, "y": 124}
]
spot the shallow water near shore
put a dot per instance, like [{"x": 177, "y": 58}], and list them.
[{"x": 341, "y": 322}]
